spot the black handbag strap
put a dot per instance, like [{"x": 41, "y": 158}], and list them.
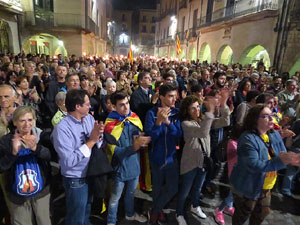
[{"x": 202, "y": 148}]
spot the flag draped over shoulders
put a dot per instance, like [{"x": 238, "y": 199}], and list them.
[{"x": 114, "y": 125}]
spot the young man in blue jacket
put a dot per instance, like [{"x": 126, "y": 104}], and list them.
[
  {"x": 163, "y": 126},
  {"x": 126, "y": 127}
]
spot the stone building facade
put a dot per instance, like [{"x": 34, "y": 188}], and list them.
[
  {"x": 144, "y": 31},
  {"x": 229, "y": 31},
  {"x": 122, "y": 31},
  {"x": 9, "y": 25},
  {"x": 64, "y": 27}
]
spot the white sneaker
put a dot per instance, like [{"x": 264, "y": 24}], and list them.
[
  {"x": 198, "y": 211},
  {"x": 136, "y": 217},
  {"x": 181, "y": 220}
]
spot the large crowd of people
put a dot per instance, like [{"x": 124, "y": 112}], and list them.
[{"x": 159, "y": 124}]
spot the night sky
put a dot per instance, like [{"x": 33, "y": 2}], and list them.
[{"x": 134, "y": 4}]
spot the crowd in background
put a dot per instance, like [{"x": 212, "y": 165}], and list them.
[{"x": 195, "y": 113}]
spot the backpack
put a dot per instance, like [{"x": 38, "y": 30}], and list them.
[{"x": 28, "y": 178}]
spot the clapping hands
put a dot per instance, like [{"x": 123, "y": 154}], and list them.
[
  {"x": 140, "y": 141},
  {"x": 163, "y": 116}
]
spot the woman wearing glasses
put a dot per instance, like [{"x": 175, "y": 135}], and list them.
[{"x": 261, "y": 153}]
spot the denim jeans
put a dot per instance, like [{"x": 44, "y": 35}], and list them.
[
  {"x": 289, "y": 175},
  {"x": 116, "y": 192},
  {"x": 228, "y": 201},
  {"x": 190, "y": 181},
  {"x": 164, "y": 184},
  {"x": 78, "y": 201}
]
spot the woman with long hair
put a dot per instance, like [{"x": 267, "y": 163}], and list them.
[{"x": 196, "y": 151}]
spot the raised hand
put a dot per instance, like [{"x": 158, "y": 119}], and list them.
[
  {"x": 290, "y": 158},
  {"x": 95, "y": 134},
  {"x": 30, "y": 141},
  {"x": 155, "y": 98},
  {"x": 224, "y": 97},
  {"x": 16, "y": 144},
  {"x": 210, "y": 104},
  {"x": 140, "y": 141},
  {"x": 163, "y": 116},
  {"x": 286, "y": 132}
]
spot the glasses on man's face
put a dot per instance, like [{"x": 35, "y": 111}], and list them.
[
  {"x": 88, "y": 104},
  {"x": 267, "y": 116}
]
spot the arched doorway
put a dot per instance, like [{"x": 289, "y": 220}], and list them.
[
  {"x": 4, "y": 37},
  {"x": 192, "y": 53},
  {"x": 295, "y": 67},
  {"x": 205, "y": 53},
  {"x": 44, "y": 43},
  {"x": 225, "y": 55},
  {"x": 253, "y": 54}
]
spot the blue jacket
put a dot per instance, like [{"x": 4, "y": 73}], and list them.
[
  {"x": 126, "y": 161},
  {"x": 248, "y": 175},
  {"x": 164, "y": 138}
]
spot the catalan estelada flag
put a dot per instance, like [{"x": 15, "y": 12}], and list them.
[
  {"x": 114, "y": 125},
  {"x": 130, "y": 56},
  {"x": 178, "y": 46}
]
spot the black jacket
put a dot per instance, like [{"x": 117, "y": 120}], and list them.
[
  {"x": 7, "y": 167},
  {"x": 99, "y": 167},
  {"x": 140, "y": 103}
]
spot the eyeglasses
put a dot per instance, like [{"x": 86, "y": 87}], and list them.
[
  {"x": 86, "y": 104},
  {"x": 267, "y": 116}
]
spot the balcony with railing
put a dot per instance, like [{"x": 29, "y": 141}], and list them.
[
  {"x": 228, "y": 13},
  {"x": 182, "y": 4},
  {"x": 192, "y": 33},
  {"x": 63, "y": 20},
  {"x": 182, "y": 35},
  {"x": 168, "y": 12}
]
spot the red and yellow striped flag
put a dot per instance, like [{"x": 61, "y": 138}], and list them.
[
  {"x": 178, "y": 46},
  {"x": 130, "y": 56}
]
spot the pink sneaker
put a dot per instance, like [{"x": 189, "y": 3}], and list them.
[
  {"x": 229, "y": 211},
  {"x": 219, "y": 217}
]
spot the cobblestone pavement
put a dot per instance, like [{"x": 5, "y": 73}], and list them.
[{"x": 285, "y": 211}]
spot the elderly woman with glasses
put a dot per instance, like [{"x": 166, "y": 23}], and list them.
[
  {"x": 261, "y": 153},
  {"x": 24, "y": 161}
]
